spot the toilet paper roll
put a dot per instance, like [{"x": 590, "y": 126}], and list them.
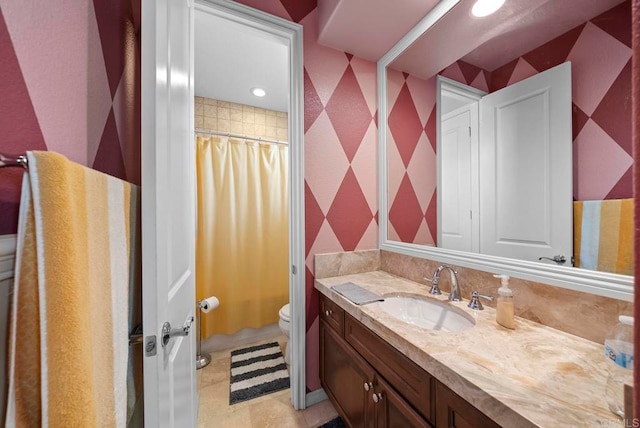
[{"x": 209, "y": 304}]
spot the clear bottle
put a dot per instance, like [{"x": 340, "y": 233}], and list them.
[
  {"x": 618, "y": 350},
  {"x": 505, "y": 311}
]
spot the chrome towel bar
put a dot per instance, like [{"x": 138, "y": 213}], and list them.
[{"x": 6, "y": 161}]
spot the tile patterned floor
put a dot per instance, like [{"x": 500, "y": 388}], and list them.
[{"x": 269, "y": 411}]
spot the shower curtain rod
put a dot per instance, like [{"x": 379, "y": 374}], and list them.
[
  {"x": 242, "y": 137},
  {"x": 13, "y": 161}
]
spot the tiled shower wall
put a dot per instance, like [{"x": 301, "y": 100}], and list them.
[
  {"x": 600, "y": 53},
  {"x": 222, "y": 116}
]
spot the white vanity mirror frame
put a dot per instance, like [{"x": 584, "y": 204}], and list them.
[{"x": 588, "y": 281}]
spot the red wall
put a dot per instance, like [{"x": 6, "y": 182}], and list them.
[
  {"x": 70, "y": 83},
  {"x": 69, "y": 79},
  {"x": 340, "y": 144}
]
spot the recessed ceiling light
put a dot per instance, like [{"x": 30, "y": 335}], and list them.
[
  {"x": 258, "y": 92},
  {"x": 486, "y": 7}
]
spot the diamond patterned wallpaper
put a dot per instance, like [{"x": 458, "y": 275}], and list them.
[
  {"x": 340, "y": 153},
  {"x": 87, "y": 107},
  {"x": 70, "y": 82},
  {"x": 600, "y": 53}
]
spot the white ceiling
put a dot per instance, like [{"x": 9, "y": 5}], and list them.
[
  {"x": 231, "y": 58},
  {"x": 488, "y": 43},
  {"x": 368, "y": 28}
]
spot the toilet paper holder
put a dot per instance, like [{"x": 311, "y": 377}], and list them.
[{"x": 204, "y": 305}]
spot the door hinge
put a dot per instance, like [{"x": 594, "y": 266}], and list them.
[
  {"x": 469, "y": 131},
  {"x": 294, "y": 269},
  {"x": 471, "y": 215},
  {"x": 150, "y": 346}
]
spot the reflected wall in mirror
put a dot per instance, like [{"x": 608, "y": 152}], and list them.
[{"x": 524, "y": 40}]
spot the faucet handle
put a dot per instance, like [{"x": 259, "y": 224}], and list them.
[{"x": 475, "y": 301}]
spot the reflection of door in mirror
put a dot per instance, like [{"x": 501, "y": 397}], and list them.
[
  {"x": 508, "y": 192},
  {"x": 599, "y": 50},
  {"x": 457, "y": 148}
]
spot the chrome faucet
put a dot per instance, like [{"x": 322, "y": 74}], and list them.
[{"x": 454, "y": 296}]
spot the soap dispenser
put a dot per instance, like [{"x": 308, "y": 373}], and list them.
[{"x": 504, "y": 306}]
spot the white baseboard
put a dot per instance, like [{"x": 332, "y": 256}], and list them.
[
  {"x": 315, "y": 397},
  {"x": 243, "y": 337}
]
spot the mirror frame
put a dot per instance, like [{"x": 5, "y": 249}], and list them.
[{"x": 600, "y": 283}]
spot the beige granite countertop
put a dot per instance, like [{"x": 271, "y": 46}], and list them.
[{"x": 531, "y": 376}]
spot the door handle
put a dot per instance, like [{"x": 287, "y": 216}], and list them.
[
  {"x": 557, "y": 259},
  {"x": 168, "y": 332}
]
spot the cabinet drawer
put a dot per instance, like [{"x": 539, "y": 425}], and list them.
[
  {"x": 332, "y": 314},
  {"x": 411, "y": 381}
]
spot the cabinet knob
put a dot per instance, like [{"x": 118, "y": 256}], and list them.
[
  {"x": 377, "y": 397},
  {"x": 367, "y": 386},
  {"x": 328, "y": 312}
]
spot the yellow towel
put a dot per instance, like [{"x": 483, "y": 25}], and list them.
[
  {"x": 69, "y": 324},
  {"x": 603, "y": 235}
]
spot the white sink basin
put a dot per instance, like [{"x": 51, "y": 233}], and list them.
[{"x": 427, "y": 313}]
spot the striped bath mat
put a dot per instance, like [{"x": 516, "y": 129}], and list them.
[{"x": 256, "y": 371}]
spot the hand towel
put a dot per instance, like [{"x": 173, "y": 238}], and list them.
[
  {"x": 356, "y": 294},
  {"x": 69, "y": 324},
  {"x": 603, "y": 235}
]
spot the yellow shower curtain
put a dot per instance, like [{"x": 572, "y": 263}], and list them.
[{"x": 242, "y": 243}]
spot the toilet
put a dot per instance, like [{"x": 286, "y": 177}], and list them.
[{"x": 285, "y": 317}]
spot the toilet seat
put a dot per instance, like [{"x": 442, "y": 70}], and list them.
[{"x": 284, "y": 313}]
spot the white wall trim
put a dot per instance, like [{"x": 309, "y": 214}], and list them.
[
  {"x": 587, "y": 281},
  {"x": 7, "y": 256},
  {"x": 315, "y": 397},
  {"x": 291, "y": 33}
]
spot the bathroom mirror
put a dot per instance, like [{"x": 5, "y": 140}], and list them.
[{"x": 488, "y": 54}]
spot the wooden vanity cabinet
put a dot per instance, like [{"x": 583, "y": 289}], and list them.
[
  {"x": 409, "y": 379},
  {"x": 452, "y": 411},
  {"x": 391, "y": 410},
  {"x": 343, "y": 374},
  {"x": 361, "y": 395},
  {"x": 373, "y": 385}
]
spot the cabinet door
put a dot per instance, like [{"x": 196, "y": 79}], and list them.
[
  {"x": 391, "y": 410},
  {"x": 452, "y": 411},
  {"x": 406, "y": 377},
  {"x": 343, "y": 374}
]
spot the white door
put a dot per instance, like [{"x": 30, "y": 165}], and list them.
[
  {"x": 168, "y": 213},
  {"x": 455, "y": 191},
  {"x": 526, "y": 208}
]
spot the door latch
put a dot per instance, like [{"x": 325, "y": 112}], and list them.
[{"x": 150, "y": 346}]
